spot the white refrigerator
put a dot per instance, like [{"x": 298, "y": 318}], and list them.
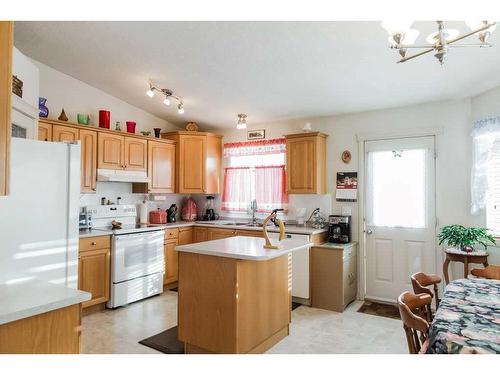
[{"x": 39, "y": 218}]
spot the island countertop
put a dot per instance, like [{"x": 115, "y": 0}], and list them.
[{"x": 241, "y": 247}]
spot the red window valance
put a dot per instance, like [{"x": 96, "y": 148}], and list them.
[{"x": 263, "y": 147}]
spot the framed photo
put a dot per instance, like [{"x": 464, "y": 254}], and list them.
[{"x": 256, "y": 134}]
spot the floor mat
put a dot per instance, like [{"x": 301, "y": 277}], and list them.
[
  {"x": 165, "y": 342},
  {"x": 380, "y": 309}
]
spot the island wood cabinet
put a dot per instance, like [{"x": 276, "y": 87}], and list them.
[
  {"x": 161, "y": 169},
  {"x": 306, "y": 163},
  {"x": 48, "y": 131},
  {"x": 94, "y": 269},
  {"x": 6, "y": 47},
  {"x": 120, "y": 152},
  {"x": 198, "y": 162}
]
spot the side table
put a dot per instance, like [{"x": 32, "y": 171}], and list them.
[{"x": 457, "y": 255}]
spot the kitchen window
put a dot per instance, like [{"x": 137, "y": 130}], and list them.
[{"x": 254, "y": 170}]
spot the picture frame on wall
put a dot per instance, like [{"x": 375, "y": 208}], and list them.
[{"x": 256, "y": 134}]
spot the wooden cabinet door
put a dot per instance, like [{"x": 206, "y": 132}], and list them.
[
  {"x": 301, "y": 165},
  {"x": 217, "y": 234},
  {"x": 161, "y": 167},
  {"x": 6, "y": 48},
  {"x": 213, "y": 164},
  {"x": 110, "y": 151},
  {"x": 88, "y": 139},
  {"x": 171, "y": 262},
  {"x": 200, "y": 234},
  {"x": 93, "y": 275},
  {"x": 44, "y": 132},
  {"x": 192, "y": 155},
  {"x": 62, "y": 133},
  {"x": 185, "y": 236},
  {"x": 136, "y": 154}
]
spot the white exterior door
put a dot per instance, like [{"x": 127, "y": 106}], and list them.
[{"x": 400, "y": 221}]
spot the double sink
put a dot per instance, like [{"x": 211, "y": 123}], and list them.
[{"x": 232, "y": 223}]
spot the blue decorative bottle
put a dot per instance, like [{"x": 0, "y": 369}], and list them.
[{"x": 44, "y": 111}]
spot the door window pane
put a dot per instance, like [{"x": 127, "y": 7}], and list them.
[{"x": 397, "y": 185}]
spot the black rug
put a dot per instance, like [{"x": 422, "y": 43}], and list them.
[
  {"x": 380, "y": 309},
  {"x": 165, "y": 342}
]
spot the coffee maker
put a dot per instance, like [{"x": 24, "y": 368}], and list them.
[{"x": 339, "y": 229}]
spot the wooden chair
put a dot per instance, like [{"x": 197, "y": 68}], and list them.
[
  {"x": 490, "y": 272},
  {"x": 416, "y": 328},
  {"x": 421, "y": 282}
]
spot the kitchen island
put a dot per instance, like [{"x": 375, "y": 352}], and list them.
[{"x": 234, "y": 295}]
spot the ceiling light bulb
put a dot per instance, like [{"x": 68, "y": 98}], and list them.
[
  {"x": 475, "y": 25},
  {"x": 449, "y": 34},
  {"x": 166, "y": 101},
  {"x": 242, "y": 121},
  {"x": 150, "y": 93},
  {"x": 180, "y": 109},
  {"x": 396, "y": 27}
]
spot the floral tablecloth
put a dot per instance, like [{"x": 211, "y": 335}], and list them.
[{"x": 468, "y": 318}]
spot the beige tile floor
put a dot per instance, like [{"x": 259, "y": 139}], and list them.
[{"x": 312, "y": 330}]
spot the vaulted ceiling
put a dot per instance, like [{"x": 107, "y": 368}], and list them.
[{"x": 271, "y": 70}]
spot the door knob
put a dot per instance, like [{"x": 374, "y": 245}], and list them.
[{"x": 369, "y": 231}]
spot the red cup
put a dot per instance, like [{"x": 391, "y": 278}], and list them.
[
  {"x": 130, "y": 126},
  {"x": 104, "y": 119}
]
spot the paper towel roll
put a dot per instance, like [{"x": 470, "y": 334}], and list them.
[{"x": 143, "y": 213}]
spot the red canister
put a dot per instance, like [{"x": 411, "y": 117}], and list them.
[
  {"x": 104, "y": 119},
  {"x": 157, "y": 217},
  {"x": 130, "y": 126}
]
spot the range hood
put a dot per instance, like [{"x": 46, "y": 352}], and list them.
[{"x": 112, "y": 175}]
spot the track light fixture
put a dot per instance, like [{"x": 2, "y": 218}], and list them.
[
  {"x": 169, "y": 94},
  {"x": 242, "y": 121}
]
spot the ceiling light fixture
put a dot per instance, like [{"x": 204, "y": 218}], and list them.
[
  {"x": 242, "y": 121},
  {"x": 168, "y": 94},
  {"x": 402, "y": 37}
]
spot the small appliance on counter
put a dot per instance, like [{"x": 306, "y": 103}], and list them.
[
  {"x": 157, "y": 217},
  {"x": 316, "y": 220},
  {"x": 85, "y": 219},
  {"x": 171, "y": 213},
  {"x": 189, "y": 210},
  {"x": 339, "y": 229},
  {"x": 210, "y": 209}
]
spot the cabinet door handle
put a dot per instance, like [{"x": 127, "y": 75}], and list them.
[
  {"x": 94, "y": 189},
  {"x": 94, "y": 243}
]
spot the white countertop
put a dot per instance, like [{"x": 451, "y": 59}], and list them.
[
  {"x": 336, "y": 246},
  {"x": 241, "y": 247},
  {"x": 26, "y": 299}
]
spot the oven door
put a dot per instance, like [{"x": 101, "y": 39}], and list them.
[{"x": 136, "y": 255}]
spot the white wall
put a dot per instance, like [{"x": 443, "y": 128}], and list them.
[
  {"x": 453, "y": 162},
  {"x": 63, "y": 91},
  {"x": 23, "y": 68}
]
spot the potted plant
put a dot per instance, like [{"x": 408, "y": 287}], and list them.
[{"x": 464, "y": 238}]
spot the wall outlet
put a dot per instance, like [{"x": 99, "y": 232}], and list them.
[
  {"x": 346, "y": 211},
  {"x": 158, "y": 198}
]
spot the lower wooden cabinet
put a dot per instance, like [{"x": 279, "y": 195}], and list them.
[
  {"x": 200, "y": 234},
  {"x": 217, "y": 234},
  {"x": 185, "y": 236},
  {"x": 171, "y": 262},
  {"x": 94, "y": 271},
  {"x": 333, "y": 276}
]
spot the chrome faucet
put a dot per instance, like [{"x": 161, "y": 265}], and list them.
[{"x": 253, "y": 208}]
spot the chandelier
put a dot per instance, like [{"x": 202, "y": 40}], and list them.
[
  {"x": 168, "y": 95},
  {"x": 402, "y": 38}
]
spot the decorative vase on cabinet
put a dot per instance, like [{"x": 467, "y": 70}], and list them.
[{"x": 44, "y": 111}]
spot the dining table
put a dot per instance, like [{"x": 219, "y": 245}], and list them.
[{"x": 467, "y": 320}]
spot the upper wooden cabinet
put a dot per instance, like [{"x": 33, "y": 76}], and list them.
[
  {"x": 121, "y": 152},
  {"x": 44, "y": 132},
  {"x": 6, "y": 45},
  {"x": 161, "y": 169},
  {"x": 57, "y": 132},
  {"x": 110, "y": 149},
  {"x": 306, "y": 163},
  {"x": 135, "y": 154},
  {"x": 61, "y": 133},
  {"x": 88, "y": 144},
  {"x": 198, "y": 161}
]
